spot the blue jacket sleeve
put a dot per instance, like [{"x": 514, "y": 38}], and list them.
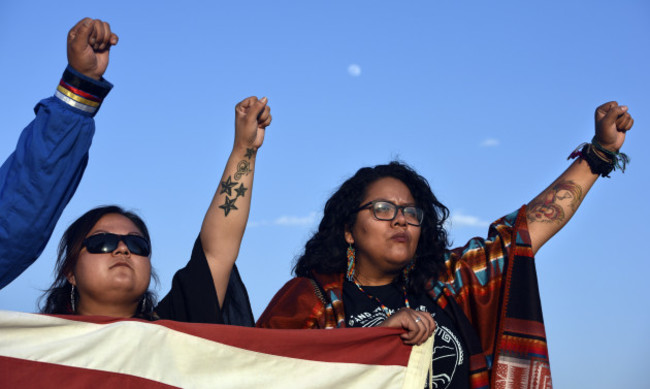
[{"x": 41, "y": 175}]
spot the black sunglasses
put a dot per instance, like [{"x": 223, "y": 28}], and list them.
[{"x": 107, "y": 243}]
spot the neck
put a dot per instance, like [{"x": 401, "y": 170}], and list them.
[
  {"x": 367, "y": 277},
  {"x": 110, "y": 310}
]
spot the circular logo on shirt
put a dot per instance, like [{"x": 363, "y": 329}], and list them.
[{"x": 447, "y": 357}]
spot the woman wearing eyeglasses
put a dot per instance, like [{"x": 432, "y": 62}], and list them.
[{"x": 380, "y": 257}]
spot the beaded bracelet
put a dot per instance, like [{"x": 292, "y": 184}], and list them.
[{"x": 600, "y": 160}]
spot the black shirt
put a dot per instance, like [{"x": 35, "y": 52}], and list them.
[{"x": 450, "y": 359}]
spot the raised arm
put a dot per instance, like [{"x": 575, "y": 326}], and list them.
[
  {"x": 552, "y": 209},
  {"x": 225, "y": 221},
  {"x": 38, "y": 179}
]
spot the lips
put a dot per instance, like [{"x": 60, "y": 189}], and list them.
[
  {"x": 120, "y": 263},
  {"x": 401, "y": 237}
]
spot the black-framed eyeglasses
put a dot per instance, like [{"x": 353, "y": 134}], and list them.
[
  {"x": 385, "y": 210},
  {"x": 107, "y": 243}
]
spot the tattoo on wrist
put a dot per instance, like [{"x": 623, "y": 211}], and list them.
[
  {"x": 250, "y": 153},
  {"x": 243, "y": 168},
  {"x": 552, "y": 205},
  {"x": 227, "y": 187}
]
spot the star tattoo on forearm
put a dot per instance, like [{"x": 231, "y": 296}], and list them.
[
  {"x": 227, "y": 186},
  {"x": 229, "y": 205},
  {"x": 241, "y": 191}
]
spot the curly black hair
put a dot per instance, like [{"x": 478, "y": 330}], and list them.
[
  {"x": 325, "y": 251},
  {"x": 57, "y": 297}
]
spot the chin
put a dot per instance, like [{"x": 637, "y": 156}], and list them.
[
  {"x": 399, "y": 265},
  {"x": 130, "y": 287}
]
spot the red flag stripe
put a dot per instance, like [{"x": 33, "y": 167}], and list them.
[
  {"x": 339, "y": 346},
  {"x": 17, "y": 373},
  {"x": 142, "y": 354}
]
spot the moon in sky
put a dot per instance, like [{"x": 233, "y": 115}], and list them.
[{"x": 354, "y": 70}]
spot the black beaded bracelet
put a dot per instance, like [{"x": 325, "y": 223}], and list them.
[
  {"x": 600, "y": 162},
  {"x": 596, "y": 164}
]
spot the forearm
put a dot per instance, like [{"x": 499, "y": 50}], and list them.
[
  {"x": 225, "y": 221},
  {"x": 553, "y": 208},
  {"x": 39, "y": 178}
]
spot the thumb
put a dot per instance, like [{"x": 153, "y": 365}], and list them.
[
  {"x": 78, "y": 36},
  {"x": 258, "y": 107}
]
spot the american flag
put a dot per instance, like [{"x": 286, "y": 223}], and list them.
[{"x": 44, "y": 351}]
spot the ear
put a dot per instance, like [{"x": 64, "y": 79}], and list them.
[
  {"x": 348, "y": 235},
  {"x": 71, "y": 279}
]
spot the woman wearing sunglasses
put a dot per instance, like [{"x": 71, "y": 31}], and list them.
[
  {"x": 104, "y": 258},
  {"x": 380, "y": 257}
]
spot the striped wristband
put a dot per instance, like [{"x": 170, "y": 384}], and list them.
[{"x": 81, "y": 92}]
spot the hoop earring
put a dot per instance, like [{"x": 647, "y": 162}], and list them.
[
  {"x": 72, "y": 300},
  {"x": 349, "y": 275}
]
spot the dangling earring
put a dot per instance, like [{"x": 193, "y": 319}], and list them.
[
  {"x": 144, "y": 304},
  {"x": 407, "y": 270},
  {"x": 350, "y": 273},
  {"x": 72, "y": 300}
]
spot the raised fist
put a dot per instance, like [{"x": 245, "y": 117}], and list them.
[{"x": 89, "y": 42}]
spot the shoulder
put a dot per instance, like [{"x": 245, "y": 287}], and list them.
[
  {"x": 501, "y": 232},
  {"x": 300, "y": 303},
  {"x": 297, "y": 290},
  {"x": 485, "y": 258},
  {"x": 300, "y": 286},
  {"x": 292, "y": 306}
]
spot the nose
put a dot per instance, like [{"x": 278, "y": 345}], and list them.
[
  {"x": 400, "y": 218},
  {"x": 122, "y": 248}
]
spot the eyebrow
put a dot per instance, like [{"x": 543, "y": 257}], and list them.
[
  {"x": 413, "y": 204},
  {"x": 109, "y": 232}
]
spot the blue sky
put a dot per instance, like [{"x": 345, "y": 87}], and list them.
[{"x": 486, "y": 100}]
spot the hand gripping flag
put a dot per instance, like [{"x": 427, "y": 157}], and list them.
[{"x": 43, "y": 351}]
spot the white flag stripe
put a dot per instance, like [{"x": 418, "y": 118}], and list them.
[{"x": 175, "y": 358}]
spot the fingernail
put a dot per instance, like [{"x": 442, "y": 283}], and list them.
[
  {"x": 87, "y": 22},
  {"x": 264, "y": 99},
  {"x": 624, "y": 108}
]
